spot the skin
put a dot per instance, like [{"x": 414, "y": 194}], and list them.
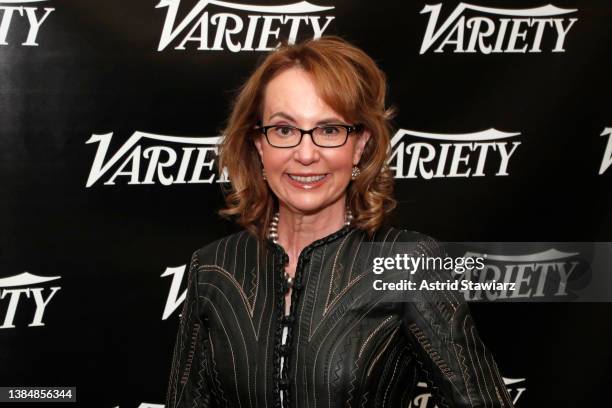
[{"x": 306, "y": 215}]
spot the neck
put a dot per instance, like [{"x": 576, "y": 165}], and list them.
[{"x": 297, "y": 230}]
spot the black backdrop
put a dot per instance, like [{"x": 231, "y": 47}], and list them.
[{"x": 95, "y": 73}]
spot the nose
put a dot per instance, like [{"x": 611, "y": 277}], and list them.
[{"x": 306, "y": 152}]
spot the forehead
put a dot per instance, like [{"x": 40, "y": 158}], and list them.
[{"x": 295, "y": 93}]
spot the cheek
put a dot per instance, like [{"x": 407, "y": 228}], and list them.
[
  {"x": 348, "y": 154},
  {"x": 340, "y": 161},
  {"x": 275, "y": 160}
]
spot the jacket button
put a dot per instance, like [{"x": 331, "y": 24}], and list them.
[
  {"x": 284, "y": 384},
  {"x": 287, "y": 319},
  {"x": 284, "y": 350},
  {"x": 283, "y": 289}
]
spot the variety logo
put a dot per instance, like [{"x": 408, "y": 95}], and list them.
[
  {"x": 465, "y": 155},
  {"x": 424, "y": 399},
  {"x": 240, "y": 27},
  {"x": 13, "y": 287},
  {"x": 174, "y": 299},
  {"x": 16, "y": 14},
  {"x": 496, "y": 30},
  {"x": 607, "y": 158},
  {"x": 191, "y": 160},
  {"x": 182, "y": 160},
  {"x": 543, "y": 274}
]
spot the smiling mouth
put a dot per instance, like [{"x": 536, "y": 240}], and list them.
[{"x": 307, "y": 179}]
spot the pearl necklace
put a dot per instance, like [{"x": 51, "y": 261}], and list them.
[{"x": 273, "y": 235}]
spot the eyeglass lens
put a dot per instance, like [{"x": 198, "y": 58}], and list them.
[{"x": 328, "y": 135}]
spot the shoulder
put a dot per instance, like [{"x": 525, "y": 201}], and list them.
[
  {"x": 397, "y": 234},
  {"x": 404, "y": 238},
  {"x": 430, "y": 257},
  {"x": 225, "y": 248}
]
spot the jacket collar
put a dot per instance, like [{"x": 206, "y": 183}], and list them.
[{"x": 319, "y": 242}]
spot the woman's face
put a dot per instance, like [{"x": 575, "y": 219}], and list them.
[{"x": 291, "y": 99}]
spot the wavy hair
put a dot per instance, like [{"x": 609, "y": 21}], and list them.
[{"x": 351, "y": 83}]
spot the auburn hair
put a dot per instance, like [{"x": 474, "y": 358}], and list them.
[{"x": 348, "y": 81}]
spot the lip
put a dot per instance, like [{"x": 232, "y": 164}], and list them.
[{"x": 306, "y": 186}]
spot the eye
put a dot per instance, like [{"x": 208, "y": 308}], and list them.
[
  {"x": 330, "y": 130},
  {"x": 284, "y": 130}
]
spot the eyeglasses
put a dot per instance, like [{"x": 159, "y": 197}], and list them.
[{"x": 331, "y": 135}]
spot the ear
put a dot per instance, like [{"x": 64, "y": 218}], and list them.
[
  {"x": 360, "y": 146},
  {"x": 258, "y": 145}
]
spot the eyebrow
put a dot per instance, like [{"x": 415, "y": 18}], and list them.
[{"x": 290, "y": 118}]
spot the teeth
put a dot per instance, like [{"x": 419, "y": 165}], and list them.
[{"x": 309, "y": 179}]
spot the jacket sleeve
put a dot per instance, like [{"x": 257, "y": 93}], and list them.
[
  {"x": 188, "y": 386},
  {"x": 457, "y": 366}
]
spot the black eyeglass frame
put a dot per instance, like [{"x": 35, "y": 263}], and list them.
[{"x": 349, "y": 129}]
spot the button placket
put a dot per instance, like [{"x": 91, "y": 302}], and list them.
[
  {"x": 287, "y": 322},
  {"x": 281, "y": 349},
  {"x": 282, "y": 382}
]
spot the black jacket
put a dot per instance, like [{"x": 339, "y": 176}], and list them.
[{"x": 346, "y": 346}]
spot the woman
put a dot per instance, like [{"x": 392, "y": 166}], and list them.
[{"x": 283, "y": 313}]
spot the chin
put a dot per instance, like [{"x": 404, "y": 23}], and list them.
[{"x": 309, "y": 207}]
